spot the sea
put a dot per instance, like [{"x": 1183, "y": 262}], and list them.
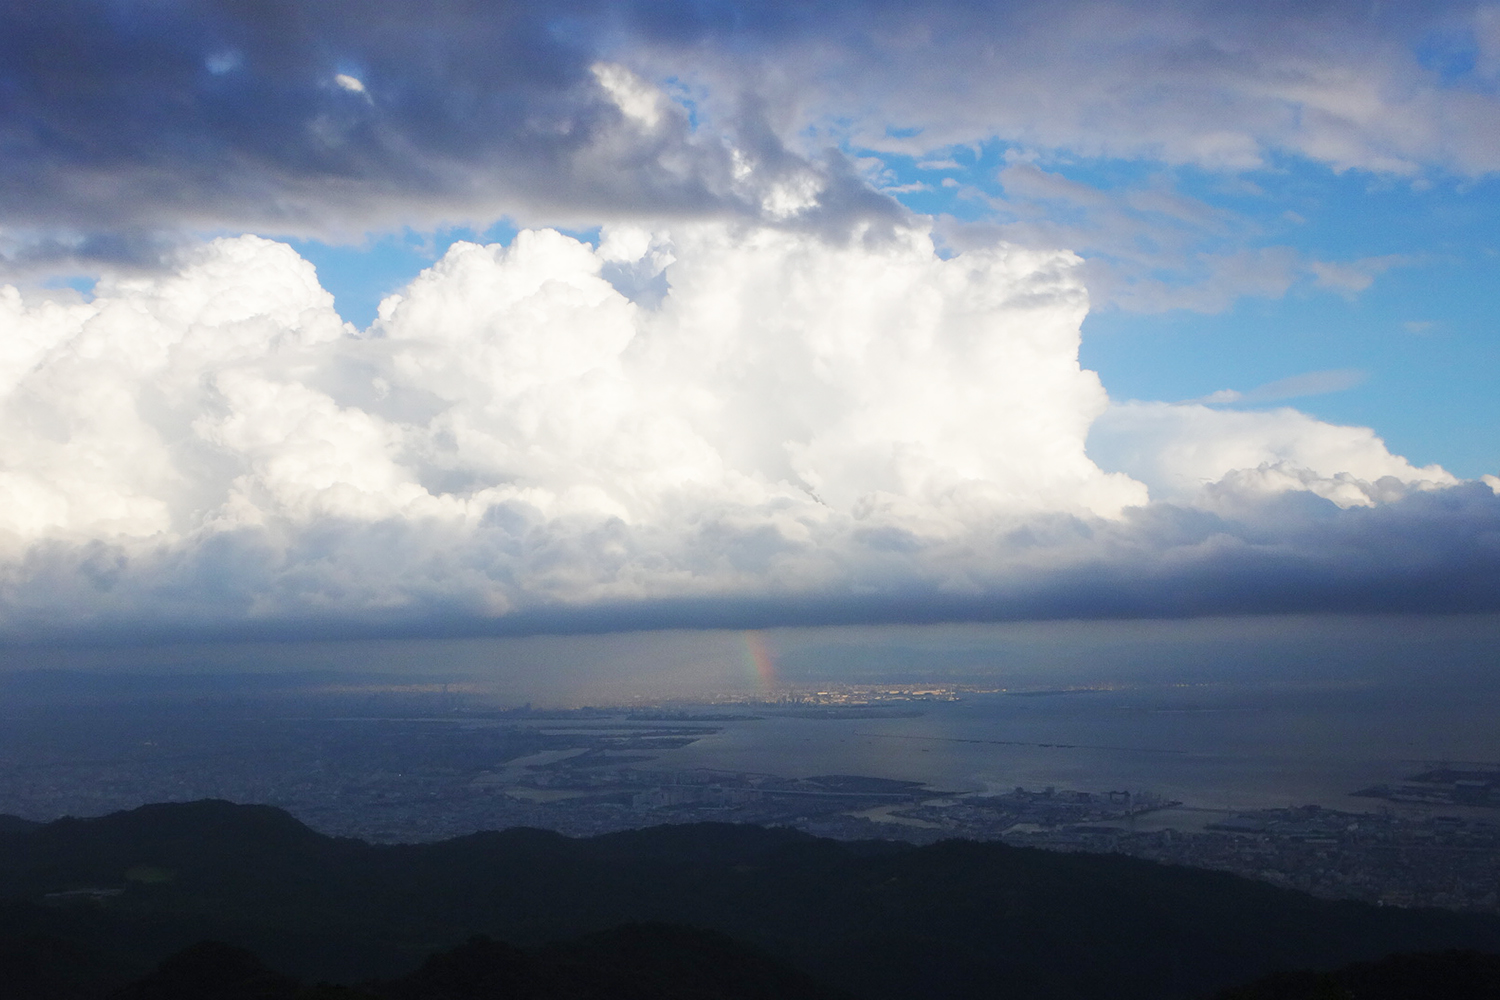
[{"x": 1219, "y": 714}]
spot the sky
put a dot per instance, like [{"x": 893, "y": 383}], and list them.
[{"x": 377, "y": 319}]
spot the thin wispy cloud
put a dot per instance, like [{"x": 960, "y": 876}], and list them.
[{"x": 1292, "y": 387}]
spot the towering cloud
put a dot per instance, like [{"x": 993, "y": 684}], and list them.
[{"x": 711, "y": 411}]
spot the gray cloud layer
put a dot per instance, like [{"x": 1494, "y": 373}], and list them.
[
  {"x": 1430, "y": 553},
  {"x": 122, "y": 122},
  {"x": 1386, "y": 87}
]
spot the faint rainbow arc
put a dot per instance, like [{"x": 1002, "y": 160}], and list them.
[{"x": 762, "y": 660}]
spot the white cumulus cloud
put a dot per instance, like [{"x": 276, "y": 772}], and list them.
[
  {"x": 710, "y": 411},
  {"x": 1179, "y": 449}
]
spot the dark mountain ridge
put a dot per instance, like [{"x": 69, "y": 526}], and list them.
[
  {"x": 635, "y": 962},
  {"x": 15, "y": 824},
  {"x": 1449, "y": 975},
  {"x": 879, "y": 920}
]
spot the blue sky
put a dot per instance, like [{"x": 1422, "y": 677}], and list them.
[{"x": 783, "y": 313}]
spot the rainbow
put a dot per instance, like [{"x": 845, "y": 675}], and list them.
[{"x": 761, "y": 660}]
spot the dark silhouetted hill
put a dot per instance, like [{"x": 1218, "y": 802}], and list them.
[
  {"x": 15, "y": 824},
  {"x": 636, "y": 962},
  {"x": 955, "y": 920},
  {"x": 1449, "y": 975},
  {"x": 39, "y": 966},
  {"x": 211, "y": 970}
]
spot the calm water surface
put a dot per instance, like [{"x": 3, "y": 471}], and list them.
[{"x": 1218, "y": 749}]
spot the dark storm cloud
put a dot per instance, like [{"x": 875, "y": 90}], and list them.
[
  {"x": 1434, "y": 552},
  {"x": 135, "y": 116},
  {"x": 340, "y": 115}
]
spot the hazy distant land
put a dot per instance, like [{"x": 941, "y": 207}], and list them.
[{"x": 1219, "y": 733}]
